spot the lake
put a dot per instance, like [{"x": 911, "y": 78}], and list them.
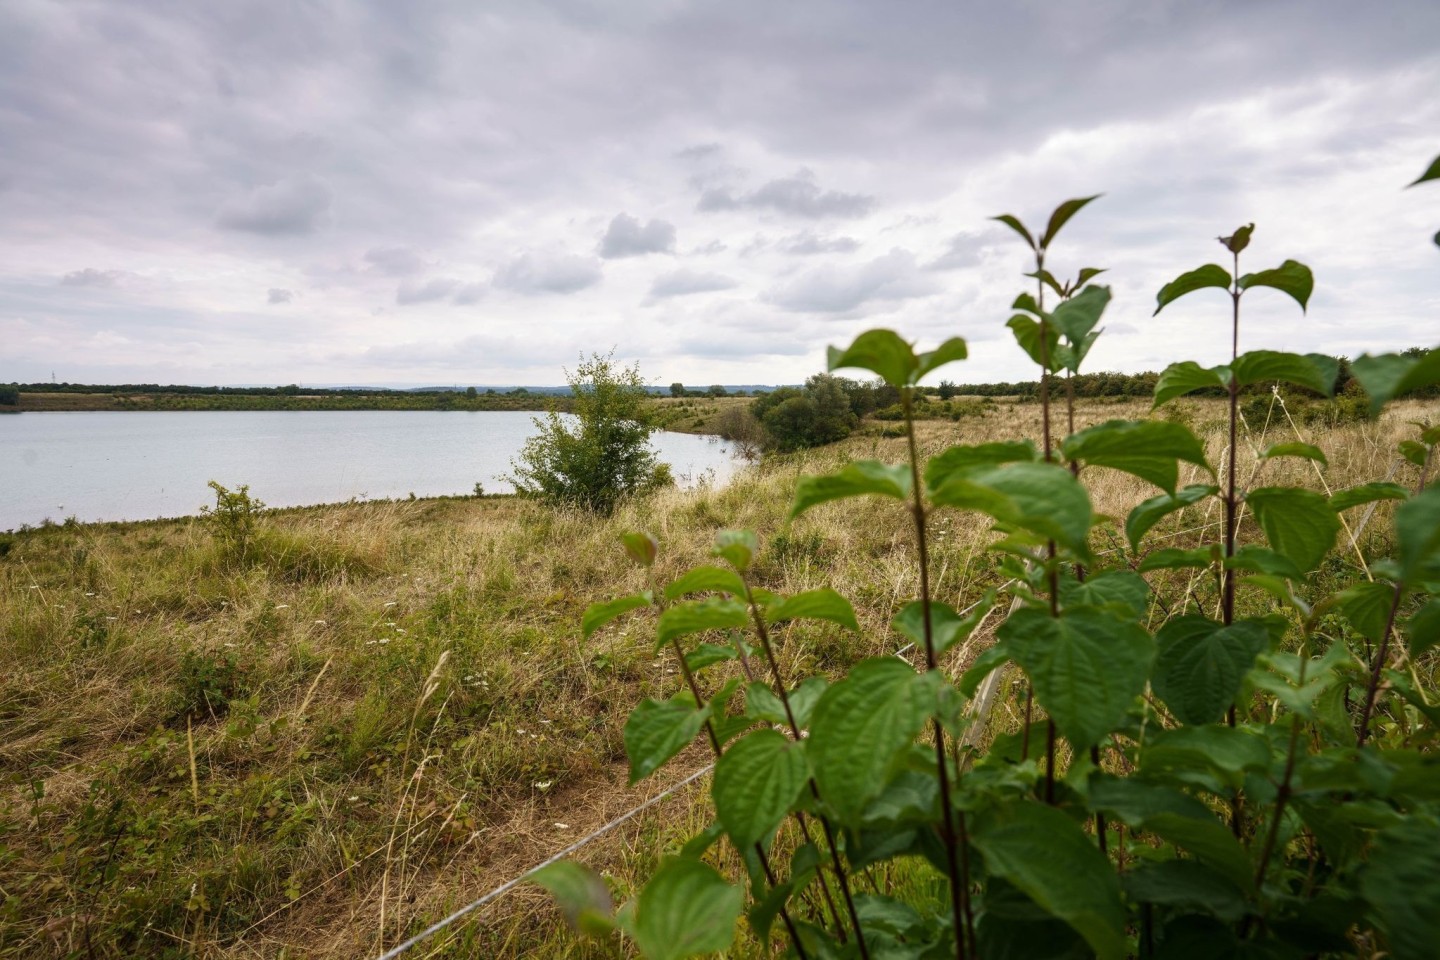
[{"x": 139, "y": 466}]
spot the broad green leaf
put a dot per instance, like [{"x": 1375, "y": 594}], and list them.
[
  {"x": 996, "y": 656},
  {"x": 1391, "y": 375},
  {"x": 948, "y": 352},
  {"x": 1423, "y": 628},
  {"x": 1186, "y": 885},
  {"x": 1210, "y": 275},
  {"x": 1210, "y": 842},
  {"x": 856, "y": 479},
  {"x": 1298, "y": 523},
  {"x": 859, "y": 727},
  {"x": 1014, "y": 224},
  {"x": 1087, "y": 667},
  {"x": 1313, "y": 371},
  {"x": 1043, "y": 350},
  {"x": 1298, "y": 682},
  {"x": 581, "y": 892},
  {"x": 1043, "y": 498},
  {"x": 762, "y": 703},
  {"x": 1432, "y": 172},
  {"x": 1050, "y": 859},
  {"x": 1152, "y": 511},
  {"x": 1061, "y": 216},
  {"x": 822, "y": 604},
  {"x": 1291, "y": 277},
  {"x": 959, "y": 459},
  {"x": 1174, "y": 558},
  {"x": 1417, "y": 526},
  {"x": 697, "y": 616},
  {"x": 1126, "y": 592},
  {"x": 641, "y": 547},
  {"x": 708, "y": 654},
  {"x": 1149, "y": 449},
  {"x": 1047, "y": 278},
  {"x": 737, "y": 548},
  {"x": 1133, "y": 800},
  {"x": 757, "y": 780},
  {"x": 706, "y": 580},
  {"x": 1216, "y": 758},
  {"x": 1367, "y": 493},
  {"x": 1239, "y": 240},
  {"x": 1402, "y": 883},
  {"x": 1087, "y": 274},
  {"x": 1201, "y": 663},
  {"x": 1414, "y": 451},
  {"x": 599, "y": 614},
  {"x": 804, "y": 697},
  {"x": 1178, "y": 379},
  {"x": 1367, "y": 606},
  {"x": 1254, "y": 559},
  {"x": 1306, "y": 451},
  {"x": 883, "y": 353},
  {"x": 685, "y": 910},
  {"x": 659, "y": 729},
  {"x": 946, "y": 626},
  {"x": 1076, "y": 317}
]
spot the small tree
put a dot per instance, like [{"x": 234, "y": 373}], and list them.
[
  {"x": 716, "y": 390},
  {"x": 677, "y": 389},
  {"x": 232, "y": 519},
  {"x": 947, "y": 389},
  {"x": 9, "y": 394},
  {"x": 600, "y": 455}
]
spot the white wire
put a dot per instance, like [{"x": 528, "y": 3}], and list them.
[{"x": 509, "y": 885}]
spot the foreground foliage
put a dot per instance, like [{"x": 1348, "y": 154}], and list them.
[{"x": 1225, "y": 750}]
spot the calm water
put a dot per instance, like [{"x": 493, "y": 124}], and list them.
[{"x": 137, "y": 466}]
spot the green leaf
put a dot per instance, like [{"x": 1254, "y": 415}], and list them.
[
  {"x": 822, "y": 604},
  {"x": 599, "y": 614},
  {"x": 1061, "y": 216},
  {"x": 1210, "y": 275},
  {"x": 686, "y": 909},
  {"x": 762, "y": 703},
  {"x": 804, "y": 697},
  {"x": 581, "y": 892},
  {"x": 883, "y": 353},
  {"x": 757, "y": 780},
  {"x": 1049, "y": 858},
  {"x": 856, "y": 479},
  {"x": 1149, "y": 449},
  {"x": 1216, "y": 758},
  {"x": 860, "y": 726},
  {"x": 948, "y": 352},
  {"x": 1307, "y": 451},
  {"x": 1210, "y": 842},
  {"x": 1201, "y": 664},
  {"x": 1414, "y": 451},
  {"x": 1298, "y": 523},
  {"x": 659, "y": 729},
  {"x": 707, "y": 580},
  {"x": 1367, "y": 493},
  {"x": 1402, "y": 883},
  {"x": 1087, "y": 667},
  {"x": 1187, "y": 885},
  {"x": 1391, "y": 375},
  {"x": 1239, "y": 240},
  {"x": 960, "y": 459},
  {"x": 1367, "y": 607},
  {"x": 1134, "y": 801},
  {"x": 1043, "y": 498},
  {"x": 1076, "y": 317},
  {"x": 1152, "y": 511},
  {"x": 1423, "y": 628},
  {"x": 1014, "y": 224},
  {"x": 1027, "y": 332},
  {"x": 1173, "y": 558},
  {"x": 1291, "y": 277},
  {"x": 1087, "y": 274},
  {"x": 708, "y": 654},
  {"x": 946, "y": 626},
  {"x": 683, "y": 619},
  {"x": 1432, "y": 172},
  {"x": 1178, "y": 379},
  {"x": 1417, "y": 526},
  {"x": 1047, "y": 278},
  {"x": 641, "y": 547},
  {"x": 1254, "y": 559},
  {"x": 737, "y": 548},
  {"x": 1125, "y": 592},
  {"x": 1313, "y": 371}
]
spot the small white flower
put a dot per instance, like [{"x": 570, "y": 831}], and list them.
[
  {"x": 352, "y": 799},
  {"x": 384, "y": 640},
  {"x": 562, "y": 826},
  {"x": 543, "y": 784},
  {"x": 391, "y": 603}
]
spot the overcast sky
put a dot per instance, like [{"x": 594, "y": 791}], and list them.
[{"x": 427, "y": 192}]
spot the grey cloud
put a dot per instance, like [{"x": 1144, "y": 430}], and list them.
[
  {"x": 830, "y": 289},
  {"x": 394, "y": 261},
  {"x": 278, "y": 295},
  {"x": 714, "y": 246},
  {"x": 627, "y": 237},
  {"x": 418, "y": 291},
  {"x": 962, "y": 251},
  {"x": 287, "y": 207},
  {"x": 532, "y": 274},
  {"x": 682, "y": 283},
  {"x": 90, "y": 277},
  {"x": 700, "y": 151},
  {"x": 797, "y": 196},
  {"x": 806, "y": 244},
  {"x": 469, "y": 293}
]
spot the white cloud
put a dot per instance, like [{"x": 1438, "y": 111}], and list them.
[
  {"x": 291, "y": 206},
  {"x": 627, "y": 237}
]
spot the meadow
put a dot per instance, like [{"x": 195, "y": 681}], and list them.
[{"x": 372, "y": 713}]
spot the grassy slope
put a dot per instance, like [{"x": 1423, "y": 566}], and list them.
[{"x": 391, "y": 702}]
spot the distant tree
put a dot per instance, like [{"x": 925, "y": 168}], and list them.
[
  {"x": 677, "y": 389},
  {"x": 9, "y": 394},
  {"x": 947, "y": 389},
  {"x": 471, "y": 393},
  {"x": 602, "y": 454},
  {"x": 816, "y": 414},
  {"x": 716, "y": 390},
  {"x": 520, "y": 392}
]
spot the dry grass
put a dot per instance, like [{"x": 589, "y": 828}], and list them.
[{"x": 390, "y": 705}]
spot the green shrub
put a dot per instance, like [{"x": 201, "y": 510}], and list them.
[
  {"x": 817, "y": 414},
  {"x": 232, "y": 519}
]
